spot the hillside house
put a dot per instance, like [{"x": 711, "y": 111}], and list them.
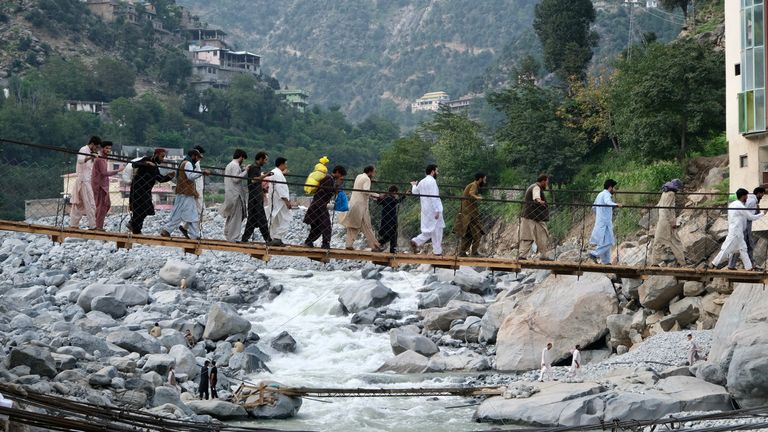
[
  {"x": 297, "y": 98},
  {"x": 430, "y": 101}
]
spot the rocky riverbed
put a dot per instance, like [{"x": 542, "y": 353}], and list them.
[{"x": 74, "y": 321}]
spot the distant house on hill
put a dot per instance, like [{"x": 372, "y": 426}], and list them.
[
  {"x": 434, "y": 100},
  {"x": 132, "y": 11},
  {"x": 93, "y": 107},
  {"x": 214, "y": 64},
  {"x": 297, "y": 98}
]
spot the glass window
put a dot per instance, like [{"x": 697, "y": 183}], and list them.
[
  {"x": 743, "y": 161},
  {"x": 748, "y": 28},
  {"x": 759, "y": 110},
  {"x": 759, "y": 38},
  {"x": 750, "y": 111},
  {"x": 742, "y": 114},
  {"x": 749, "y": 71},
  {"x": 759, "y": 68}
]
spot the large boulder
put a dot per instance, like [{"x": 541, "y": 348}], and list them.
[
  {"x": 441, "y": 318},
  {"x": 247, "y": 362},
  {"x": 159, "y": 363},
  {"x": 38, "y": 359},
  {"x": 495, "y": 316},
  {"x": 174, "y": 271},
  {"x": 468, "y": 331},
  {"x": 566, "y": 310},
  {"x": 185, "y": 361},
  {"x": 405, "y": 363},
  {"x": 366, "y": 294},
  {"x": 402, "y": 340},
  {"x": 467, "y": 278},
  {"x": 109, "y": 305},
  {"x": 657, "y": 291},
  {"x": 618, "y": 327},
  {"x": 223, "y": 321},
  {"x": 169, "y": 395},
  {"x": 686, "y": 310},
  {"x": 444, "y": 293},
  {"x": 739, "y": 344},
  {"x": 134, "y": 342},
  {"x": 283, "y": 342},
  {"x": 130, "y": 295},
  {"x": 218, "y": 409},
  {"x": 283, "y": 407},
  {"x": 467, "y": 361}
]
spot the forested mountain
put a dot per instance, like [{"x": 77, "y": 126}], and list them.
[{"x": 376, "y": 56}]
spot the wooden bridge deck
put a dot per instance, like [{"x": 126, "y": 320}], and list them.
[{"x": 260, "y": 251}]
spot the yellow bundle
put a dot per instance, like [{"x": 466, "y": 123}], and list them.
[{"x": 313, "y": 179}]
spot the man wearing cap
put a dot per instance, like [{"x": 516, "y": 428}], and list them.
[
  {"x": 147, "y": 174},
  {"x": 185, "y": 204},
  {"x": 82, "y": 192},
  {"x": 200, "y": 187},
  {"x": 666, "y": 228}
]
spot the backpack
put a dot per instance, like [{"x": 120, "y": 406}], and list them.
[
  {"x": 342, "y": 203},
  {"x": 127, "y": 176}
]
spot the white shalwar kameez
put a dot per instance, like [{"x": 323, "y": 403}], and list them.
[
  {"x": 278, "y": 211},
  {"x": 574, "y": 372},
  {"x": 185, "y": 208},
  {"x": 738, "y": 215},
  {"x": 546, "y": 364},
  {"x": 431, "y": 227}
]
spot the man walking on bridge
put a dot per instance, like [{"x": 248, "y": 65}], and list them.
[
  {"x": 317, "y": 216},
  {"x": 279, "y": 209},
  {"x": 82, "y": 193},
  {"x": 235, "y": 197},
  {"x": 147, "y": 173},
  {"x": 734, "y": 243},
  {"x": 256, "y": 215},
  {"x": 533, "y": 225},
  {"x": 468, "y": 226},
  {"x": 359, "y": 216},
  {"x": 753, "y": 204},
  {"x": 100, "y": 183},
  {"x": 602, "y": 233},
  {"x": 666, "y": 227},
  {"x": 185, "y": 203},
  {"x": 432, "y": 222}
]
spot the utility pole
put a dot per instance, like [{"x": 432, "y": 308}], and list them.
[{"x": 629, "y": 34}]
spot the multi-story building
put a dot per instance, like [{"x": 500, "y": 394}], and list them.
[
  {"x": 745, "y": 104},
  {"x": 132, "y": 11},
  {"x": 430, "y": 101},
  {"x": 297, "y": 98},
  {"x": 199, "y": 37}
]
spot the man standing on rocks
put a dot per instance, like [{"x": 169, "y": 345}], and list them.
[
  {"x": 694, "y": 353},
  {"x": 203, "y": 387},
  {"x": 190, "y": 339},
  {"x": 156, "y": 331},
  {"x": 172, "y": 382},
  {"x": 468, "y": 226},
  {"x": 359, "y": 216},
  {"x": 234, "y": 206},
  {"x": 147, "y": 173},
  {"x": 256, "y": 215},
  {"x": 100, "y": 184},
  {"x": 82, "y": 192},
  {"x": 752, "y": 203},
  {"x": 185, "y": 203},
  {"x": 214, "y": 379},
  {"x": 546, "y": 363},
  {"x": 602, "y": 233},
  {"x": 666, "y": 227},
  {"x": 574, "y": 372},
  {"x": 279, "y": 208},
  {"x": 317, "y": 216},
  {"x": 734, "y": 243},
  {"x": 533, "y": 226},
  {"x": 432, "y": 222}
]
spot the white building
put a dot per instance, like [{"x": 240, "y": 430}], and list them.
[{"x": 430, "y": 101}]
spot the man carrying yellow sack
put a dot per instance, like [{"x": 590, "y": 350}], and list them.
[{"x": 313, "y": 179}]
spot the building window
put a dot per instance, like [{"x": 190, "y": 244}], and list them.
[
  {"x": 742, "y": 161},
  {"x": 752, "y": 111}
]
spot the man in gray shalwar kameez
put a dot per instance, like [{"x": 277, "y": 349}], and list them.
[
  {"x": 185, "y": 203},
  {"x": 235, "y": 196}
]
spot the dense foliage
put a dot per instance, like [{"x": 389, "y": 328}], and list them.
[{"x": 563, "y": 27}]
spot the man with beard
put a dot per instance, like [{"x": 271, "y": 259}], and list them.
[
  {"x": 234, "y": 206},
  {"x": 279, "y": 208},
  {"x": 82, "y": 193},
  {"x": 533, "y": 226},
  {"x": 185, "y": 203},
  {"x": 468, "y": 226},
  {"x": 147, "y": 174},
  {"x": 317, "y": 216},
  {"x": 200, "y": 187},
  {"x": 256, "y": 215},
  {"x": 432, "y": 222},
  {"x": 359, "y": 216}
]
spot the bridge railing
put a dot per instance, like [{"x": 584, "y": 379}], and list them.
[{"x": 43, "y": 185}]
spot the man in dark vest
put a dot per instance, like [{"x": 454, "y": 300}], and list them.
[
  {"x": 533, "y": 227},
  {"x": 185, "y": 203}
]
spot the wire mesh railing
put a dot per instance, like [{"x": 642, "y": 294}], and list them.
[{"x": 89, "y": 188}]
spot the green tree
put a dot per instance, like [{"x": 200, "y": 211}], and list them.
[
  {"x": 175, "y": 68},
  {"x": 563, "y": 27},
  {"x": 668, "y": 98},
  {"x": 405, "y": 159},
  {"x": 459, "y": 147},
  {"x": 113, "y": 79},
  {"x": 671, "y": 5}
]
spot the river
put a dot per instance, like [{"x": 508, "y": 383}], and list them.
[{"x": 330, "y": 354}]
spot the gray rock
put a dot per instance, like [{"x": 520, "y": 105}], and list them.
[
  {"x": 38, "y": 359},
  {"x": 109, "y": 305},
  {"x": 473, "y": 309},
  {"x": 219, "y": 409},
  {"x": 468, "y": 331},
  {"x": 130, "y": 295},
  {"x": 618, "y": 328},
  {"x": 185, "y": 361},
  {"x": 247, "y": 362},
  {"x": 76, "y": 352},
  {"x": 88, "y": 342},
  {"x": 441, "y": 318},
  {"x": 134, "y": 342},
  {"x": 133, "y": 399},
  {"x": 64, "y": 361},
  {"x": 365, "y": 316},
  {"x": 223, "y": 320},
  {"x": 168, "y": 395},
  {"x": 468, "y": 361},
  {"x": 467, "y": 278},
  {"x": 21, "y": 321},
  {"x": 99, "y": 380},
  {"x": 402, "y": 340},
  {"x": 442, "y": 293},
  {"x": 283, "y": 407},
  {"x": 174, "y": 271},
  {"x": 170, "y": 338},
  {"x": 494, "y": 316},
  {"x": 710, "y": 372},
  {"x": 406, "y": 362},
  {"x": 686, "y": 311},
  {"x": 693, "y": 288},
  {"x": 366, "y": 294},
  {"x": 283, "y": 342},
  {"x": 159, "y": 363},
  {"x": 657, "y": 291}
]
